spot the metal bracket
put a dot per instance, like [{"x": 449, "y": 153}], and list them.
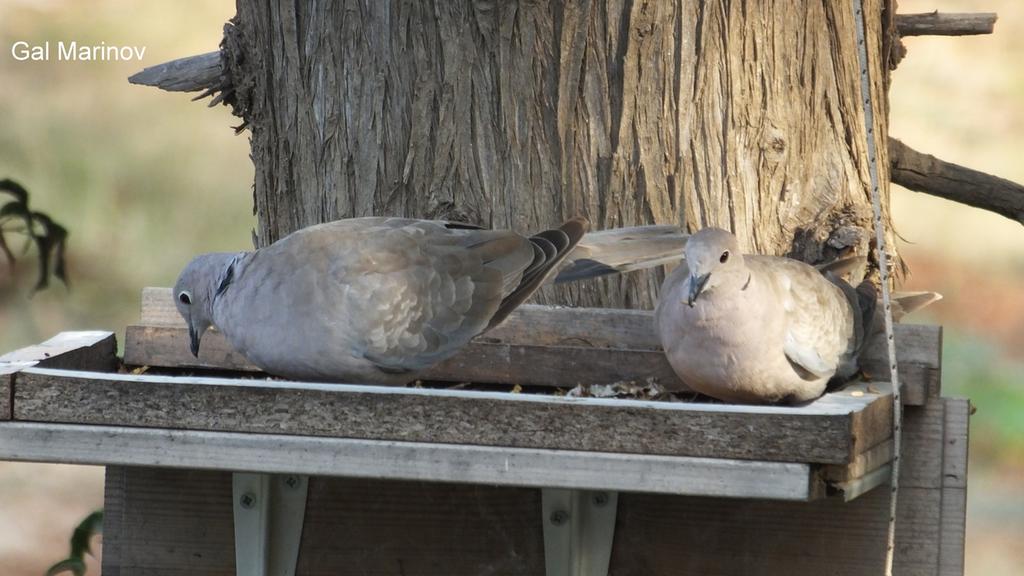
[
  {"x": 579, "y": 527},
  {"x": 269, "y": 511}
]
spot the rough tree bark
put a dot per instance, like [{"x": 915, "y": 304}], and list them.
[{"x": 745, "y": 115}]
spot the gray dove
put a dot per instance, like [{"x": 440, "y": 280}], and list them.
[
  {"x": 762, "y": 329},
  {"x": 367, "y": 300}
]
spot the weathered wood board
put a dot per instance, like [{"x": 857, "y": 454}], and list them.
[
  {"x": 376, "y": 526},
  {"x": 415, "y": 460},
  {"x": 536, "y": 345},
  {"x": 414, "y": 528},
  {"x": 6, "y": 390},
  {"x": 419, "y": 461},
  {"x": 93, "y": 350},
  {"x": 954, "y": 487},
  {"x": 481, "y": 362},
  {"x": 365, "y": 527},
  {"x": 89, "y": 350},
  {"x": 832, "y": 430}
]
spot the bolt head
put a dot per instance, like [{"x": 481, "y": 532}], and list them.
[
  {"x": 559, "y": 517},
  {"x": 248, "y": 500}
]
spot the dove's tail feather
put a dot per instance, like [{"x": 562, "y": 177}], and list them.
[
  {"x": 623, "y": 250},
  {"x": 851, "y": 268},
  {"x": 550, "y": 248},
  {"x": 904, "y": 303}
]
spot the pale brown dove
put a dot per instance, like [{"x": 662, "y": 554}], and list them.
[
  {"x": 761, "y": 329},
  {"x": 367, "y": 300}
]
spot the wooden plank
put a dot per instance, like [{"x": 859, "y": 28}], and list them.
[
  {"x": 917, "y": 529},
  {"x": 920, "y": 497},
  {"x": 920, "y": 383},
  {"x": 922, "y": 445},
  {"x": 157, "y": 308},
  {"x": 953, "y": 531},
  {"x": 504, "y": 363},
  {"x": 856, "y": 487},
  {"x": 125, "y": 446},
  {"x": 872, "y": 425},
  {"x": 525, "y": 365},
  {"x": 178, "y": 522},
  {"x": 828, "y": 430},
  {"x": 956, "y": 435},
  {"x": 6, "y": 392},
  {"x": 166, "y": 346},
  {"x": 167, "y": 522},
  {"x": 92, "y": 350},
  {"x": 87, "y": 350},
  {"x": 114, "y": 515},
  {"x": 919, "y": 348},
  {"x": 865, "y": 462},
  {"x": 954, "y": 487},
  {"x": 673, "y": 535},
  {"x": 528, "y": 324},
  {"x": 919, "y": 354}
]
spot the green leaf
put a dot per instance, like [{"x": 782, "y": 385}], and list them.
[
  {"x": 19, "y": 209},
  {"x": 14, "y": 189},
  {"x": 86, "y": 529},
  {"x": 80, "y": 546},
  {"x": 74, "y": 565},
  {"x": 49, "y": 237},
  {"x": 7, "y": 252},
  {"x": 43, "y": 247}
]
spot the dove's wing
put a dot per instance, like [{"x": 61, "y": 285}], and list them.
[
  {"x": 819, "y": 320},
  {"x": 672, "y": 294},
  {"x": 424, "y": 290},
  {"x": 401, "y": 293}
]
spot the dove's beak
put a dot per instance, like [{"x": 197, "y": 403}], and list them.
[
  {"x": 697, "y": 284},
  {"x": 193, "y": 340}
]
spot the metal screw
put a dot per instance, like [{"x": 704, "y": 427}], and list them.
[
  {"x": 292, "y": 482},
  {"x": 601, "y": 499},
  {"x": 248, "y": 500},
  {"x": 559, "y": 517}
]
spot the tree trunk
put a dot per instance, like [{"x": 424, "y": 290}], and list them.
[{"x": 744, "y": 115}]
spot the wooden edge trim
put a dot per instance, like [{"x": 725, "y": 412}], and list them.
[{"x": 112, "y": 445}]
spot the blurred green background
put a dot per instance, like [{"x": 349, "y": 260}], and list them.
[{"x": 145, "y": 179}]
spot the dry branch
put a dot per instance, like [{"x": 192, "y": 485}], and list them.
[
  {"x": 936, "y": 24},
  {"x": 925, "y": 173},
  {"x": 187, "y": 74},
  {"x": 190, "y": 74}
]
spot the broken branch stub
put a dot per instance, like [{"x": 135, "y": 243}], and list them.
[
  {"x": 190, "y": 74},
  {"x": 945, "y": 24}
]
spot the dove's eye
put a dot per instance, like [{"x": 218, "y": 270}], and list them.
[
  {"x": 185, "y": 298},
  {"x": 725, "y": 257}
]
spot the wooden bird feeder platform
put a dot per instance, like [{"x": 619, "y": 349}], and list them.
[{"x": 212, "y": 468}]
